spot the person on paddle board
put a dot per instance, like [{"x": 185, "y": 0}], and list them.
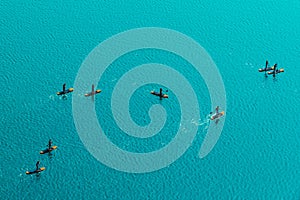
[
  {"x": 49, "y": 144},
  {"x": 217, "y": 109},
  {"x": 275, "y": 66},
  {"x": 64, "y": 87},
  {"x": 37, "y": 165},
  {"x": 267, "y": 62},
  {"x": 266, "y": 65}
]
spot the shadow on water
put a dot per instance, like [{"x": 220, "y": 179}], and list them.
[
  {"x": 64, "y": 97},
  {"x": 51, "y": 155},
  {"x": 55, "y": 97}
]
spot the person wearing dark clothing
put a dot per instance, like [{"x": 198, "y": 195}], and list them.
[
  {"x": 217, "y": 109},
  {"x": 275, "y": 66},
  {"x": 37, "y": 165},
  {"x": 49, "y": 144}
]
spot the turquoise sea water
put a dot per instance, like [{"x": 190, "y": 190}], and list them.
[{"x": 43, "y": 44}]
